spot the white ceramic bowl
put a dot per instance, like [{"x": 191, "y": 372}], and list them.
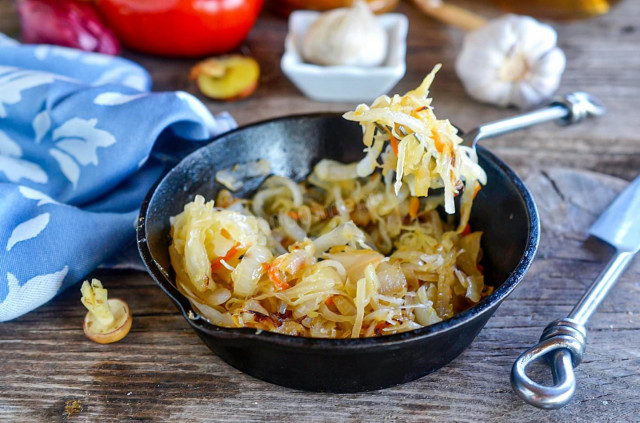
[{"x": 344, "y": 83}]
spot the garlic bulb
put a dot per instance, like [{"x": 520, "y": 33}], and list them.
[
  {"x": 512, "y": 60},
  {"x": 347, "y": 36}
]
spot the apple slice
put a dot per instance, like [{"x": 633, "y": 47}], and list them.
[{"x": 227, "y": 78}]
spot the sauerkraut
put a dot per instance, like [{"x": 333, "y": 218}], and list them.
[
  {"x": 426, "y": 151},
  {"x": 349, "y": 252}
]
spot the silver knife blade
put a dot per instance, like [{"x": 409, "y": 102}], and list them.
[{"x": 619, "y": 225}]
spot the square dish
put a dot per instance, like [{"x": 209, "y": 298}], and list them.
[{"x": 344, "y": 83}]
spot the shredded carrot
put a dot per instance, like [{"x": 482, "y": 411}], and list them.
[
  {"x": 279, "y": 283},
  {"x": 438, "y": 141},
  {"x": 272, "y": 273},
  {"x": 217, "y": 263},
  {"x": 382, "y": 325},
  {"x": 417, "y": 110},
  {"x": 225, "y": 233},
  {"x": 393, "y": 141},
  {"x": 329, "y": 301},
  {"x": 414, "y": 205},
  {"x": 394, "y": 145},
  {"x": 293, "y": 215}
]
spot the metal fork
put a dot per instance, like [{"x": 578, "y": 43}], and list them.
[{"x": 571, "y": 108}]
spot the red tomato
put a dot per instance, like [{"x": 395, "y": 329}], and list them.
[{"x": 181, "y": 28}]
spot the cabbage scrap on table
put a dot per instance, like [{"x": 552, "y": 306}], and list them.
[{"x": 349, "y": 252}]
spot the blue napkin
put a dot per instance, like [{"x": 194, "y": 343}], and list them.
[{"x": 78, "y": 151}]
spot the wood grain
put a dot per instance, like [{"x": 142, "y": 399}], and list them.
[{"x": 162, "y": 371}]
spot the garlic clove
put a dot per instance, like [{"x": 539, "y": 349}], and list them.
[
  {"x": 536, "y": 46},
  {"x": 550, "y": 64},
  {"x": 478, "y": 73},
  {"x": 521, "y": 93},
  {"x": 346, "y": 37},
  {"x": 545, "y": 70},
  {"x": 495, "y": 93}
]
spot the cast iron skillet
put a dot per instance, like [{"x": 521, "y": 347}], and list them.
[{"x": 503, "y": 210}]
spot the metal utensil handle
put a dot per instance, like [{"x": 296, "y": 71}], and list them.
[
  {"x": 569, "y": 109},
  {"x": 597, "y": 292},
  {"x": 563, "y": 342}
]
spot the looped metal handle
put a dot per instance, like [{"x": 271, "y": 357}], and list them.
[
  {"x": 569, "y": 109},
  {"x": 563, "y": 342},
  {"x": 562, "y": 346},
  {"x": 581, "y": 105}
]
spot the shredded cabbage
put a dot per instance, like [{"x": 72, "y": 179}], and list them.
[
  {"x": 374, "y": 269},
  {"x": 428, "y": 151},
  {"x": 349, "y": 252}
]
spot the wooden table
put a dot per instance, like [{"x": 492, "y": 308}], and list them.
[{"x": 162, "y": 371}]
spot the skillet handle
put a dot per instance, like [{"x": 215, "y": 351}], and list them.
[
  {"x": 562, "y": 345},
  {"x": 571, "y": 108}
]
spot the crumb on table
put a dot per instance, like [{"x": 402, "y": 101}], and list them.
[{"x": 72, "y": 407}]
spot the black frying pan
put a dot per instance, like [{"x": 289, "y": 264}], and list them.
[{"x": 503, "y": 210}]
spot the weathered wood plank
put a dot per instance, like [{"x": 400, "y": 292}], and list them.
[{"x": 162, "y": 371}]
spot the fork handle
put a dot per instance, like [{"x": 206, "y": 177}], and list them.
[
  {"x": 563, "y": 342},
  {"x": 571, "y": 108}
]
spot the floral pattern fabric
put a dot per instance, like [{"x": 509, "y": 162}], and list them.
[{"x": 79, "y": 149}]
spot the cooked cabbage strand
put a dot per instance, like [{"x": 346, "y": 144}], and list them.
[
  {"x": 369, "y": 262},
  {"x": 426, "y": 151},
  {"x": 350, "y": 252}
]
